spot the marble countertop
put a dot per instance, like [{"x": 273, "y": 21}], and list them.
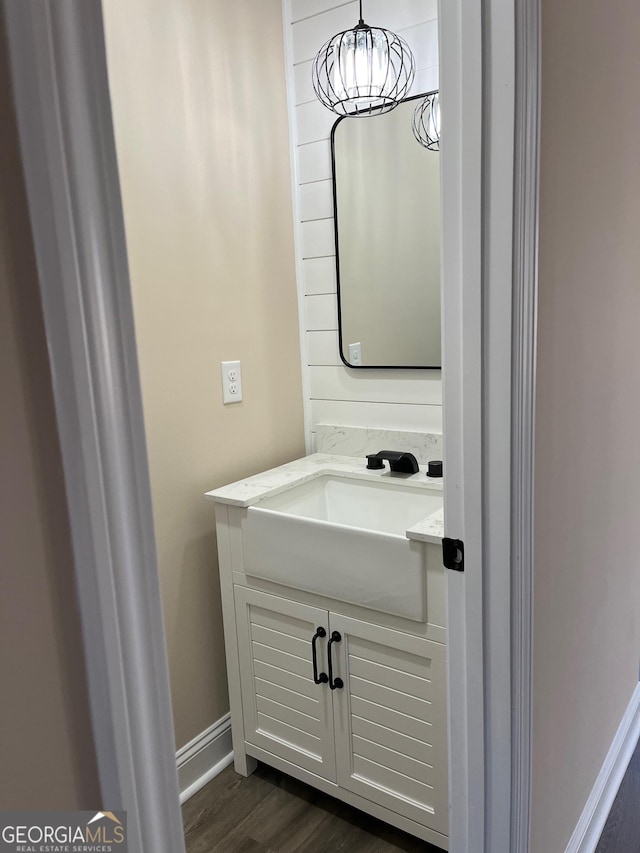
[{"x": 252, "y": 490}]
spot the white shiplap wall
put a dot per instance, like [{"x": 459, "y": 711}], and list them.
[{"x": 384, "y": 399}]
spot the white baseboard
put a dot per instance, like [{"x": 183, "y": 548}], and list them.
[
  {"x": 204, "y": 757},
  {"x": 594, "y": 816}
]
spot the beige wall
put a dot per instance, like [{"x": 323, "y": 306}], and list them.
[
  {"x": 587, "y": 573},
  {"x": 199, "y": 100},
  {"x": 47, "y": 758}
]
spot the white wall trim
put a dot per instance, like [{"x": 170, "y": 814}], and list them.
[
  {"x": 594, "y": 815},
  {"x": 200, "y": 760}
]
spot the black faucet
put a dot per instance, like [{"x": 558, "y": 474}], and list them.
[{"x": 401, "y": 463}]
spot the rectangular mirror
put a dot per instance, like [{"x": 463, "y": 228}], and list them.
[{"x": 387, "y": 225}]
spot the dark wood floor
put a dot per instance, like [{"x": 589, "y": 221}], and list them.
[
  {"x": 621, "y": 833},
  {"x": 270, "y": 812}
]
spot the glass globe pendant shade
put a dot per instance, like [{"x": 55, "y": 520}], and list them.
[
  {"x": 363, "y": 70},
  {"x": 426, "y": 122}
]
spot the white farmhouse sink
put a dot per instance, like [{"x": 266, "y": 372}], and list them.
[{"x": 346, "y": 539}]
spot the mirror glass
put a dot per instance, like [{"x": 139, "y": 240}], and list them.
[{"x": 387, "y": 208}]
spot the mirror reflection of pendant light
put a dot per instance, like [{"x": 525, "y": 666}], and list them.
[
  {"x": 362, "y": 70},
  {"x": 426, "y": 122}
]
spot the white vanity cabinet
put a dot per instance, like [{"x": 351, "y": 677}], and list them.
[
  {"x": 284, "y": 711},
  {"x": 373, "y": 734},
  {"x": 390, "y": 721},
  {"x": 378, "y": 740}
]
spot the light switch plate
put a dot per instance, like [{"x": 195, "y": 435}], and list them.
[{"x": 231, "y": 382}]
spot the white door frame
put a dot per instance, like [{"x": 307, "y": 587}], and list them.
[
  {"x": 525, "y": 206},
  {"x": 461, "y": 60},
  {"x": 489, "y": 73},
  {"x": 61, "y": 93},
  {"x": 490, "y": 94}
]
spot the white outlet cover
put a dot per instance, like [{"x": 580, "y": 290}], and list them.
[
  {"x": 355, "y": 354},
  {"x": 231, "y": 382}
]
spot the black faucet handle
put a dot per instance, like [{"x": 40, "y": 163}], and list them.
[
  {"x": 374, "y": 462},
  {"x": 434, "y": 468}
]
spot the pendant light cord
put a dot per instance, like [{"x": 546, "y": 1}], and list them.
[{"x": 361, "y": 19}]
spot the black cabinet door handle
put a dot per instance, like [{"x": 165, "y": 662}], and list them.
[
  {"x": 323, "y": 677},
  {"x": 334, "y": 683}
]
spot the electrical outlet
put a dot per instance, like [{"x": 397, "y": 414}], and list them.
[
  {"x": 355, "y": 354},
  {"x": 231, "y": 382}
]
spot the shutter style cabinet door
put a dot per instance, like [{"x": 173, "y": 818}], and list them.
[
  {"x": 284, "y": 711},
  {"x": 390, "y": 719}
]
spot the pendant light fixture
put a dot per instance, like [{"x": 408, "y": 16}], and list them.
[
  {"x": 426, "y": 122},
  {"x": 362, "y": 70}
]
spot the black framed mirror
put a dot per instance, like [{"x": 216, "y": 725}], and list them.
[{"x": 386, "y": 195}]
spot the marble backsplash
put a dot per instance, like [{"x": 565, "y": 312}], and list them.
[{"x": 358, "y": 441}]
